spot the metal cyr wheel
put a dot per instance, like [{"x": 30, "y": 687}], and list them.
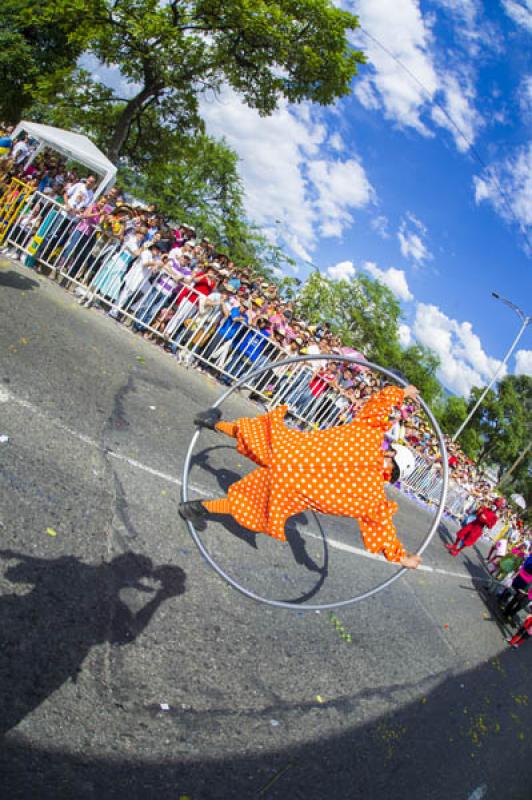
[{"x": 364, "y": 595}]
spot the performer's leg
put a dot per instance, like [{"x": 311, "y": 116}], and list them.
[
  {"x": 198, "y": 510},
  {"x": 211, "y": 419},
  {"x": 208, "y": 419},
  {"x": 221, "y": 506},
  {"x": 229, "y": 428},
  {"x": 456, "y": 546},
  {"x": 517, "y": 639}
]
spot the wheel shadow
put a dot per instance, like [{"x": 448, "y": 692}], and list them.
[{"x": 483, "y": 585}]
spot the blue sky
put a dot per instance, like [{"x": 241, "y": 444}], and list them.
[{"x": 384, "y": 182}]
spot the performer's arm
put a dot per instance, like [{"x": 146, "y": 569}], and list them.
[
  {"x": 378, "y": 533},
  {"x": 378, "y": 408}
]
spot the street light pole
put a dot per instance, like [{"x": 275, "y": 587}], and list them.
[{"x": 525, "y": 321}]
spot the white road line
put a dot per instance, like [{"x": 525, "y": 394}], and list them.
[{"x": 202, "y": 490}]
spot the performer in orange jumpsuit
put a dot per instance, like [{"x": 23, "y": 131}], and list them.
[{"x": 339, "y": 471}]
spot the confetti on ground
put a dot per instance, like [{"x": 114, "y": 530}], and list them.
[
  {"x": 140, "y": 359},
  {"x": 164, "y": 492},
  {"x": 274, "y": 723},
  {"x": 319, "y": 698},
  {"x": 152, "y": 408},
  {"x": 164, "y": 706},
  {"x": 23, "y": 340},
  {"x": 342, "y": 632},
  {"x": 51, "y": 532},
  {"x": 4, "y": 439}
]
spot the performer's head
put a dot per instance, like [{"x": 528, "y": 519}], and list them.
[
  {"x": 401, "y": 462},
  {"x": 499, "y": 503}
]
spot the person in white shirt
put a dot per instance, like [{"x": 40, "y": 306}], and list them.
[
  {"x": 21, "y": 150},
  {"x": 137, "y": 280},
  {"x": 80, "y": 195}
]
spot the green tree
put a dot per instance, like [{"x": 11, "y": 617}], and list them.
[
  {"x": 504, "y": 422},
  {"x": 419, "y": 365},
  {"x": 363, "y": 311},
  {"x": 39, "y": 41},
  {"x": 450, "y": 413},
  {"x": 171, "y": 53}
]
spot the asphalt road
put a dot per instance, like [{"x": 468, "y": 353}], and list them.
[{"x": 108, "y": 612}]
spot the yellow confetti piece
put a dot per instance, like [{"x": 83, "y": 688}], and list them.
[
  {"x": 51, "y": 532},
  {"x": 423, "y": 699},
  {"x": 164, "y": 492},
  {"x": 23, "y": 340},
  {"x": 319, "y": 698}
]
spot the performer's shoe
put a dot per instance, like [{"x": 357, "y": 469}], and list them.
[
  {"x": 193, "y": 511},
  {"x": 208, "y": 418}
]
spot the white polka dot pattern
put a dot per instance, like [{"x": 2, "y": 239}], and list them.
[{"x": 336, "y": 471}]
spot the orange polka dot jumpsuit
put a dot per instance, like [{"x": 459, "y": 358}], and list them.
[{"x": 336, "y": 471}]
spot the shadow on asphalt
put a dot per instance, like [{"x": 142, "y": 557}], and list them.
[
  {"x": 447, "y": 744},
  {"x": 482, "y": 585},
  {"x": 47, "y": 632},
  {"x": 12, "y": 280},
  {"x": 445, "y": 534}
]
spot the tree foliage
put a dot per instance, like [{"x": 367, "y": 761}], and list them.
[
  {"x": 166, "y": 55},
  {"x": 363, "y": 311},
  {"x": 504, "y": 420},
  {"x": 38, "y": 42},
  {"x": 366, "y": 314}
]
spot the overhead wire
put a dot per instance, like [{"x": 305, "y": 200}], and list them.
[{"x": 492, "y": 175}]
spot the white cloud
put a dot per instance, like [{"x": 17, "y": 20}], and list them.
[
  {"x": 399, "y": 26},
  {"x": 412, "y": 234},
  {"x": 463, "y": 120},
  {"x": 514, "y": 175},
  {"x": 523, "y": 362},
  {"x": 465, "y": 10},
  {"x": 380, "y": 226},
  {"x": 344, "y": 270},
  {"x": 341, "y": 186},
  {"x": 285, "y": 171},
  {"x": 520, "y": 11},
  {"x": 464, "y": 363},
  {"x": 525, "y": 96},
  {"x": 336, "y": 142},
  {"x": 405, "y": 335},
  {"x": 407, "y": 80},
  {"x": 394, "y": 279},
  {"x": 472, "y": 28}
]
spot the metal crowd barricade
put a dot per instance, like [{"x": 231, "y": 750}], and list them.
[
  {"x": 102, "y": 269},
  {"x": 13, "y": 195},
  {"x": 425, "y": 481}
]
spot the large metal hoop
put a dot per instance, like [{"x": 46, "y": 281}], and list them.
[{"x": 364, "y": 595}]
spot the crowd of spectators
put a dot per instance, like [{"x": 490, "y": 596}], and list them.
[{"x": 177, "y": 289}]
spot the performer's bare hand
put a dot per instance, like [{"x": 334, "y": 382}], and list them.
[
  {"x": 412, "y": 391},
  {"x": 410, "y": 561}
]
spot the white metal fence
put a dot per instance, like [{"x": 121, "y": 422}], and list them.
[{"x": 106, "y": 272}]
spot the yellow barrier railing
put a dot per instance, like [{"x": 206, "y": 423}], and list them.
[{"x": 13, "y": 195}]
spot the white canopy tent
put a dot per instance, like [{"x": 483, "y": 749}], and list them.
[{"x": 73, "y": 145}]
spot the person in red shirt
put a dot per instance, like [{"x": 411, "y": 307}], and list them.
[{"x": 470, "y": 533}]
